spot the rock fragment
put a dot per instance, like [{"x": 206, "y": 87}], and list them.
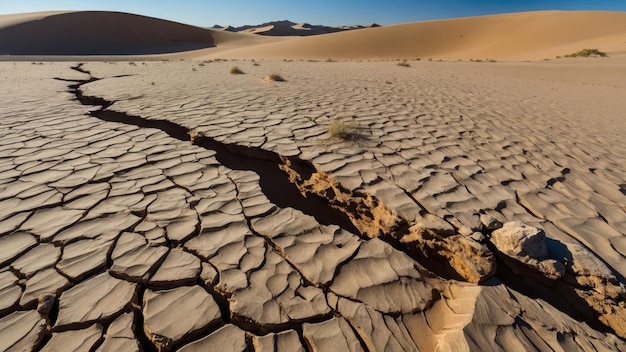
[{"x": 527, "y": 245}]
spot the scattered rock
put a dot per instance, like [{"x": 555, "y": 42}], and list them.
[
  {"x": 45, "y": 302},
  {"x": 527, "y": 245}
]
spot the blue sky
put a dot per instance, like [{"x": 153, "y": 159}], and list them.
[{"x": 328, "y": 12}]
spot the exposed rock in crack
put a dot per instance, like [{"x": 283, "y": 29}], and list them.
[{"x": 583, "y": 282}]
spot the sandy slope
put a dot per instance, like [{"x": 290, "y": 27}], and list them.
[
  {"x": 520, "y": 36},
  {"x": 105, "y": 33}
]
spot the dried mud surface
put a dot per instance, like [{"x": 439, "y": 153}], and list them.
[{"x": 162, "y": 206}]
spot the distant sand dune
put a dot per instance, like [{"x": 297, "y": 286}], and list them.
[
  {"x": 97, "y": 33},
  {"x": 519, "y": 36}
]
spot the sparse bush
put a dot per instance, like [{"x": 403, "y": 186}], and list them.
[
  {"x": 236, "y": 71},
  {"x": 344, "y": 130},
  {"x": 274, "y": 77},
  {"x": 329, "y": 60},
  {"x": 587, "y": 53},
  {"x": 404, "y": 64}
]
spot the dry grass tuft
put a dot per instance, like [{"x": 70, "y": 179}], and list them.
[
  {"x": 346, "y": 131},
  {"x": 588, "y": 53},
  {"x": 274, "y": 77},
  {"x": 404, "y": 64},
  {"x": 236, "y": 70}
]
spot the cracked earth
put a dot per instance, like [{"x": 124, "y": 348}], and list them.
[{"x": 165, "y": 206}]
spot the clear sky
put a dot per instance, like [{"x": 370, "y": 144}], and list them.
[{"x": 327, "y": 12}]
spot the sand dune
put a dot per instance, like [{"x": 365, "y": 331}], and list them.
[
  {"x": 520, "y": 36},
  {"x": 91, "y": 33},
  {"x": 288, "y": 28}
]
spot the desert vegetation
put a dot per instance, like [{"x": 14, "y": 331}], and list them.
[
  {"x": 274, "y": 77},
  {"x": 347, "y": 131},
  {"x": 588, "y": 53},
  {"x": 236, "y": 70}
]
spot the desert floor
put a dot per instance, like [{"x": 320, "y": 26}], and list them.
[{"x": 172, "y": 205}]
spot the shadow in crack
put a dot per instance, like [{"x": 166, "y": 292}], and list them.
[{"x": 275, "y": 182}]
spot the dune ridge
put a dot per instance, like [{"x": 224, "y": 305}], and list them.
[
  {"x": 97, "y": 33},
  {"x": 518, "y": 36},
  {"x": 515, "y": 37}
]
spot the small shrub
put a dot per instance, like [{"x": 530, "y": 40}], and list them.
[
  {"x": 404, "y": 64},
  {"x": 329, "y": 60},
  {"x": 587, "y": 53},
  {"x": 236, "y": 71},
  {"x": 558, "y": 57},
  {"x": 274, "y": 77},
  {"x": 346, "y": 131}
]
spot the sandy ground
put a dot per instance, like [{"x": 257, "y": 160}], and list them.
[{"x": 200, "y": 208}]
